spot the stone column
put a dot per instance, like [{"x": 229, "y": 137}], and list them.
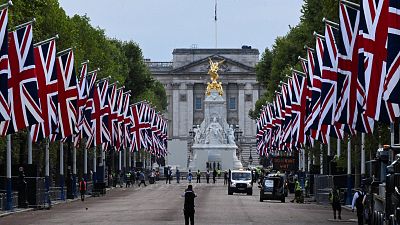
[
  {"x": 189, "y": 97},
  {"x": 240, "y": 106},
  {"x": 175, "y": 109}
]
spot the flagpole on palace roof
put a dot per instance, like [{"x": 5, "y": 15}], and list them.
[
  {"x": 46, "y": 41},
  {"x": 216, "y": 25}
]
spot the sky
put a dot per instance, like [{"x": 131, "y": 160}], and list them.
[{"x": 159, "y": 26}]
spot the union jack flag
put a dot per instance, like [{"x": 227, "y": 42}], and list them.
[
  {"x": 299, "y": 101},
  {"x": 127, "y": 120},
  {"x": 113, "y": 116},
  {"x": 374, "y": 26},
  {"x": 4, "y": 67},
  {"x": 45, "y": 59},
  {"x": 87, "y": 125},
  {"x": 329, "y": 76},
  {"x": 82, "y": 99},
  {"x": 118, "y": 136},
  {"x": 392, "y": 80},
  {"x": 139, "y": 127},
  {"x": 22, "y": 83},
  {"x": 100, "y": 113},
  {"x": 67, "y": 95}
]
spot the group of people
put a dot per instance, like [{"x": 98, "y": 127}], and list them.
[{"x": 358, "y": 203}]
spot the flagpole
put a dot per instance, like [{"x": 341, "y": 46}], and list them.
[
  {"x": 74, "y": 170},
  {"x": 9, "y": 179},
  {"x": 64, "y": 51},
  {"x": 47, "y": 172},
  {"x": 349, "y": 198},
  {"x": 62, "y": 170},
  {"x": 216, "y": 25},
  {"x": 321, "y": 159},
  {"x": 9, "y": 3},
  {"x": 94, "y": 164},
  {"x": 338, "y": 147},
  {"x": 46, "y": 41},
  {"x": 103, "y": 160},
  {"x": 24, "y": 24},
  {"x": 29, "y": 148},
  {"x": 336, "y": 25},
  {"x": 362, "y": 155},
  {"x": 351, "y": 3},
  {"x": 85, "y": 173}
]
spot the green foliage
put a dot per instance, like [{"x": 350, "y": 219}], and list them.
[{"x": 122, "y": 61}]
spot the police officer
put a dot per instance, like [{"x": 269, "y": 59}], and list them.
[
  {"x": 198, "y": 176},
  {"x": 188, "y": 208}
]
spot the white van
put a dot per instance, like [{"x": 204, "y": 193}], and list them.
[{"x": 240, "y": 182}]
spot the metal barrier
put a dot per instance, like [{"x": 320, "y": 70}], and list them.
[
  {"x": 55, "y": 193},
  {"x": 324, "y": 183}
]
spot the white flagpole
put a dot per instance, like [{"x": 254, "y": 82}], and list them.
[
  {"x": 62, "y": 169},
  {"x": 94, "y": 164},
  {"x": 9, "y": 179},
  {"x": 85, "y": 173},
  {"x": 29, "y": 148},
  {"x": 338, "y": 148},
  {"x": 321, "y": 159},
  {"x": 362, "y": 155}
]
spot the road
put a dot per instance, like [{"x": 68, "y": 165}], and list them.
[{"x": 161, "y": 204}]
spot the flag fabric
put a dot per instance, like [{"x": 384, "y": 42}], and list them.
[
  {"x": 82, "y": 99},
  {"x": 392, "y": 79},
  {"x": 67, "y": 95},
  {"x": 87, "y": 125},
  {"x": 113, "y": 116},
  {"x": 45, "y": 60},
  {"x": 374, "y": 26},
  {"x": 299, "y": 95},
  {"x": 100, "y": 113},
  {"x": 4, "y": 67},
  {"x": 23, "y": 96},
  {"x": 139, "y": 127}
]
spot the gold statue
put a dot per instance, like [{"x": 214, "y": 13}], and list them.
[{"x": 213, "y": 72}]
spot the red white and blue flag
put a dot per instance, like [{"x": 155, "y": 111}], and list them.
[
  {"x": 45, "y": 59},
  {"x": 4, "y": 67}
]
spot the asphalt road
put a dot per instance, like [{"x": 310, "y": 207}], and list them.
[{"x": 162, "y": 204}]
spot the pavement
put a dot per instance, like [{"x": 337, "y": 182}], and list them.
[{"x": 162, "y": 204}]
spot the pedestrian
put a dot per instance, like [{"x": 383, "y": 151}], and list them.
[
  {"x": 334, "y": 198},
  {"x": 297, "y": 191},
  {"x": 82, "y": 188},
  {"x": 208, "y": 176},
  {"x": 169, "y": 175},
  {"x": 307, "y": 188},
  {"x": 358, "y": 201},
  {"x": 142, "y": 179},
  {"x": 190, "y": 176},
  {"x": 219, "y": 173},
  {"x": 178, "y": 175},
  {"x": 188, "y": 207},
  {"x": 198, "y": 176},
  {"x": 128, "y": 179},
  {"x": 214, "y": 176},
  {"x": 225, "y": 177}
]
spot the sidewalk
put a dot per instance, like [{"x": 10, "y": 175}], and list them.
[{"x": 56, "y": 202}]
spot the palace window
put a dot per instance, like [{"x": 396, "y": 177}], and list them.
[
  {"x": 248, "y": 97},
  {"x": 197, "y": 103},
  {"x": 182, "y": 97},
  {"x": 232, "y": 103}
]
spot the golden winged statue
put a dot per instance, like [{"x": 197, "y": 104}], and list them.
[{"x": 213, "y": 72}]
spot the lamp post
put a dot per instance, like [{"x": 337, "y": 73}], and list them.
[{"x": 250, "y": 157}]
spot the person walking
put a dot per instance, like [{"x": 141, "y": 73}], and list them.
[
  {"x": 190, "y": 176},
  {"x": 358, "y": 201},
  {"x": 214, "y": 176},
  {"x": 142, "y": 179},
  {"x": 128, "y": 179},
  {"x": 188, "y": 207},
  {"x": 208, "y": 176},
  {"x": 198, "y": 176},
  {"x": 307, "y": 188},
  {"x": 334, "y": 198},
  {"x": 169, "y": 176},
  {"x": 178, "y": 175},
  {"x": 225, "y": 177},
  {"x": 82, "y": 189},
  {"x": 297, "y": 191}
]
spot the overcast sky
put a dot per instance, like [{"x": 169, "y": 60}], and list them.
[{"x": 159, "y": 26}]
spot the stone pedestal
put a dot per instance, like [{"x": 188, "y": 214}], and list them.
[{"x": 214, "y": 140}]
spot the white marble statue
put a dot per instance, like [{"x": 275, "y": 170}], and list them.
[
  {"x": 197, "y": 135},
  {"x": 231, "y": 135},
  {"x": 214, "y": 133}
]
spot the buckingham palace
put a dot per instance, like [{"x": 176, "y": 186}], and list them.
[{"x": 185, "y": 80}]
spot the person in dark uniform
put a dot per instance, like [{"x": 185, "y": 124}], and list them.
[{"x": 188, "y": 208}]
